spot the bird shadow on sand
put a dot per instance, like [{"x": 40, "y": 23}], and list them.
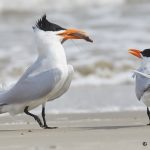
[
  {"x": 80, "y": 128},
  {"x": 112, "y": 127},
  {"x": 21, "y": 130},
  {"x": 9, "y": 130}
]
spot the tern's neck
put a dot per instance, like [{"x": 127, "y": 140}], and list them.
[
  {"x": 53, "y": 52},
  {"x": 145, "y": 61},
  {"x": 145, "y": 65}
]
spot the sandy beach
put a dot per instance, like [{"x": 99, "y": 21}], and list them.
[
  {"x": 100, "y": 110},
  {"x": 98, "y": 131},
  {"x": 120, "y": 130}
]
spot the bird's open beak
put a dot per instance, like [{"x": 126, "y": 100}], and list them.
[
  {"x": 74, "y": 34},
  {"x": 135, "y": 52}
]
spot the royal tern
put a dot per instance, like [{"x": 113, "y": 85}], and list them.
[
  {"x": 142, "y": 75},
  {"x": 48, "y": 77}
]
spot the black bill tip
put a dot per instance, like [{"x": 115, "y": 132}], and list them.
[{"x": 88, "y": 39}]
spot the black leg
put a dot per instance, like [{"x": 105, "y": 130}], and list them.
[
  {"x": 34, "y": 116},
  {"x": 148, "y": 113},
  {"x": 45, "y": 126}
]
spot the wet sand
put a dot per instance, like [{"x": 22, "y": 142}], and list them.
[{"x": 98, "y": 131}]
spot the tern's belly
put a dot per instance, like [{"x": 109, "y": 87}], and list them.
[
  {"x": 146, "y": 98},
  {"x": 58, "y": 90},
  {"x": 19, "y": 108},
  {"x": 58, "y": 86}
]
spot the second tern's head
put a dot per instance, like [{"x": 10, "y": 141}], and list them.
[{"x": 140, "y": 53}]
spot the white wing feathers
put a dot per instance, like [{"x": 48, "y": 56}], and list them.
[
  {"x": 30, "y": 88},
  {"x": 142, "y": 83},
  {"x": 142, "y": 74}
]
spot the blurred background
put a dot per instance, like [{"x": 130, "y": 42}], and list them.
[{"x": 103, "y": 70}]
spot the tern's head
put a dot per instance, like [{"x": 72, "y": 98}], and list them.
[
  {"x": 140, "y": 53},
  {"x": 49, "y": 31}
]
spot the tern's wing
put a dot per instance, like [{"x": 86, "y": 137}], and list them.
[
  {"x": 32, "y": 87},
  {"x": 142, "y": 84}
]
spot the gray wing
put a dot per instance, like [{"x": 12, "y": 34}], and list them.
[
  {"x": 142, "y": 85},
  {"x": 32, "y": 87}
]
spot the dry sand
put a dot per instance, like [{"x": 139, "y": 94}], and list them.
[{"x": 104, "y": 131}]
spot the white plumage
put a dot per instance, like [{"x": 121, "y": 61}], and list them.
[
  {"x": 142, "y": 75},
  {"x": 143, "y": 81},
  {"x": 48, "y": 77},
  {"x": 43, "y": 80}
]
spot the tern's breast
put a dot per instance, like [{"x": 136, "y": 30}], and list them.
[
  {"x": 146, "y": 98},
  {"x": 58, "y": 86}
]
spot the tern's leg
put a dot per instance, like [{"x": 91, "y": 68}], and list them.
[
  {"x": 148, "y": 113},
  {"x": 34, "y": 116},
  {"x": 45, "y": 126}
]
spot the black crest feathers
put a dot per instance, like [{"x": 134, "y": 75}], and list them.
[
  {"x": 45, "y": 25},
  {"x": 146, "y": 52}
]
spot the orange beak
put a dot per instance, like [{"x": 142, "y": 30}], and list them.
[
  {"x": 74, "y": 34},
  {"x": 135, "y": 52}
]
